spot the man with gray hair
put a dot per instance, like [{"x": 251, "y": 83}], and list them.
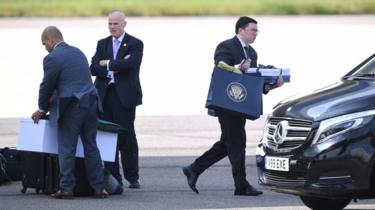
[
  {"x": 116, "y": 65},
  {"x": 68, "y": 94}
]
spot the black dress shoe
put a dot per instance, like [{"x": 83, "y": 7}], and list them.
[
  {"x": 249, "y": 191},
  {"x": 192, "y": 177},
  {"x": 135, "y": 184}
]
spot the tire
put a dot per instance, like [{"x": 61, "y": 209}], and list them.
[{"x": 324, "y": 203}]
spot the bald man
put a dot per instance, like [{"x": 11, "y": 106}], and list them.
[
  {"x": 116, "y": 65},
  {"x": 70, "y": 97}
]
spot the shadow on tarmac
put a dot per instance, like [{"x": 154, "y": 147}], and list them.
[{"x": 163, "y": 186}]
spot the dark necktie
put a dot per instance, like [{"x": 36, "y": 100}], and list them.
[{"x": 247, "y": 50}]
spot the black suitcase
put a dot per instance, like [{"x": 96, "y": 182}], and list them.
[
  {"x": 52, "y": 174},
  {"x": 39, "y": 171},
  {"x": 13, "y": 165},
  {"x": 83, "y": 187},
  {"x": 4, "y": 178}
]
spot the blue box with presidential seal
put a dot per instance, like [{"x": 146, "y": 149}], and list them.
[{"x": 236, "y": 93}]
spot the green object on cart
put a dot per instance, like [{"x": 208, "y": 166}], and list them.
[{"x": 111, "y": 127}]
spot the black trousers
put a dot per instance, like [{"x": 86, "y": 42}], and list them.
[
  {"x": 127, "y": 144},
  {"x": 232, "y": 143}
]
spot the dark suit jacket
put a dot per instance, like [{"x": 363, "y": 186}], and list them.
[
  {"x": 231, "y": 52},
  {"x": 66, "y": 77},
  {"x": 126, "y": 70}
]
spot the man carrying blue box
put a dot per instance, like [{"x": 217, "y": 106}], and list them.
[{"x": 232, "y": 142}]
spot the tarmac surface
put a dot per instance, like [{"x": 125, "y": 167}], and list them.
[{"x": 166, "y": 144}]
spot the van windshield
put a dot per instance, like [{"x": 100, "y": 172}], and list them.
[{"x": 366, "y": 71}]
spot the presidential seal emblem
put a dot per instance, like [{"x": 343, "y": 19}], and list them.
[{"x": 236, "y": 92}]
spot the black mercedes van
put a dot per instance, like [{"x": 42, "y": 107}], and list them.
[{"x": 321, "y": 146}]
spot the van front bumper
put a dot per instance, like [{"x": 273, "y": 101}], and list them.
[{"x": 333, "y": 173}]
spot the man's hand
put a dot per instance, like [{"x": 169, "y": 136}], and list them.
[
  {"x": 245, "y": 64},
  {"x": 36, "y": 116},
  {"x": 103, "y": 62},
  {"x": 279, "y": 82}
]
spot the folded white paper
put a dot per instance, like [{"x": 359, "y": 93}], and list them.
[{"x": 42, "y": 137}]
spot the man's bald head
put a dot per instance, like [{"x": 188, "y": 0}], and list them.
[
  {"x": 119, "y": 14},
  {"x": 116, "y": 23},
  {"x": 51, "y": 35}
]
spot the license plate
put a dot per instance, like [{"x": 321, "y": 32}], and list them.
[{"x": 277, "y": 163}]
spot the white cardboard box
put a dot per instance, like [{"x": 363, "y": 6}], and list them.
[
  {"x": 270, "y": 72},
  {"x": 270, "y": 75},
  {"x": 42, "y": 137}
]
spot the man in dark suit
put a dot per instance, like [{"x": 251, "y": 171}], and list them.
[
  {"x": 116, "y": 65},
  {"x": 68, "y": 93},
  {"x": 235, "y": 52}
]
